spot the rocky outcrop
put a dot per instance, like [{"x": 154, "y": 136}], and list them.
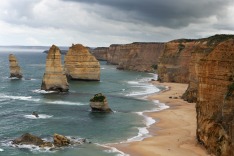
[
  {"x": 60, "y": 140},
  {"x": 54, "y": 78},
  {"x": 135, "y": 56},
  {"x": 80, "y": 64},
  {"x": 215, "y": 99},
  {"x": 100, "y": 53},
  {"x": 15, "y": 70},
  {"x": 99, "y": 104}
]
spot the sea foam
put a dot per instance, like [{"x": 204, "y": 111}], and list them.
[
  {"x": 40, "y": 116},
  {"x": 66, "y": 103},
  {"x": 23, "y": 98}
]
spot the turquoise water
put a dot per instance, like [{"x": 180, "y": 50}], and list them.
[{"x": 69, "y": 113}]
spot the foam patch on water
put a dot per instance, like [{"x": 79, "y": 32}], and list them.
[
  {"x": 23, "y": 98},
  {"x": 40, "y": 116},
  {"x": 42, "y": 91},
  {"x": 148, "y": 121},
  {"x": 110, "y": 149},
  {"x": 1, "y": 150},
  {"x": 142, "y": 87},
  {"x": 66, "y": 103}
]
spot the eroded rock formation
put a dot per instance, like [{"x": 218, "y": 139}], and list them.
[
  {"x": 135, "y": 56},
  {"x": 54, "y": 78},
  {"x": 80, "y": 64},
  {"x": 15, "y": 70},
  {"x": 215, "y": 100},
  {"x": 100, "y": 53},
  {"x": 60, "y": 140},
  {"x": 99, "y": 103}
]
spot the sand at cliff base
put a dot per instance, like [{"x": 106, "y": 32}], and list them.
[{"x": 174, "y": 133}]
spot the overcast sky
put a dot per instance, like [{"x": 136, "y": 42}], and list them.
[{"x": 104, "y": 22}]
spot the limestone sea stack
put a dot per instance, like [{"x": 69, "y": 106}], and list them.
[
  {"x": 80, "y": 64},
  {"x": 99, "y": 103},
  {"x": 15, "y": 70},
  {"x": 54, "y": 77}
]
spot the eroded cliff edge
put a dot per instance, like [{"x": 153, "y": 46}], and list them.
[
  {"x": 208, "y": 66},
  {"x": 215, "y": 99},
  {"x": 135, "y": 56}
]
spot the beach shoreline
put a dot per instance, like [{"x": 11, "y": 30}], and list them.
[{"x": 174, "y": 132}]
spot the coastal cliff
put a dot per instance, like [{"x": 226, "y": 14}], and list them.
[
  {"x": 80, "y": 64},
  {"x": 15, "y": 70},
  {"x": 135, "y": 56},
  {"x": 54, "y": 78},
  {"x": 100, "y": 53},
  {"x": 215, "y": 99},
  {"x": 174, "y": 62}
]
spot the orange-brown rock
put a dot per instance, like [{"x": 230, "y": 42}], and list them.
[
  {"x": 135, "y": 56},
  {"x": 100, "y": 53},
  {"x": 15, "y": 70},
  {"x": 174, "y": 62},
  {"x": 60, "y": 140},
  {"x": 80, "y": 64},
  {"x": 54, "y": 78},
  {"x": 215, "y": 100}
]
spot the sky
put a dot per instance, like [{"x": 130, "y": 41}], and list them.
[{"x": 98, "y": 23}]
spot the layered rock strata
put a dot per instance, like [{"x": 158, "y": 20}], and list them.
[
  {"x": 100, "y": 53},
  {"x": 99, "y": 104},
  {"x": 135, "y": 56},
  {"x": 174, "y": 62},
  {"x": 54, "y": 78},
  {"x": 80, "y": 64},
  {"x": 215, "y": 99},
  {"x": 15, "y": 70}
]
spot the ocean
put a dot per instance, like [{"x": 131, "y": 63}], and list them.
[{"x": 69, "y": 113}]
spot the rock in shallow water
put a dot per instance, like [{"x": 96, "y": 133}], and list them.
[
  {"x": 54, "y": 78},
  {"x": 15, "y": 70},
  {"x": 99, "y": 103}
]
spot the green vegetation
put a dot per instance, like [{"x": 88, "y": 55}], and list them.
[
  {"x": 154, "y": 66},
  {"x": 230, "y": 89},
  {"x": 216, "y": 39},
  {"x": 181, "y": 47},
  {"x": 98, "y": 98}
]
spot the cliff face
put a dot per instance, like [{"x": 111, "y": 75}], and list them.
[
  {"x": 80, "y": 64},
  {"x": 215, "y": 100},
  {"x": 174, "y": 62},
  {"x": 135, "y": 56},
  {"x": 100, "y": 53},
  {"x": 54, "y": 78},
  {"x": 15, "y": 70}
]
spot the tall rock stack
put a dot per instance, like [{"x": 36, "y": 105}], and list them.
[
  {"x": 54, "y": 78},
  {"x": 15, "y": 70},
  {"x": 80, "y": 64}
]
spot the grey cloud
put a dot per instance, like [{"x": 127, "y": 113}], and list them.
[{"x": 166, "y": 13}]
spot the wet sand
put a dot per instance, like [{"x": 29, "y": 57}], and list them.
[{"x": 174, "y": 133}]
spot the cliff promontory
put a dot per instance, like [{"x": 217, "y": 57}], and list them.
[
  {"x": 54, "y": 78},
  {"x": 80, "y": 64},
  {"x": 15, "y": 70},
  {"x": 136, "y": 56}
]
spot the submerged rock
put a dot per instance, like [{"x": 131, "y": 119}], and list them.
[
  {"x": 99, "y": 103},
  {"x": 15, "y": 70},
  {"x": 54, "y": 78},
  {"x": 35, "y": 114},
  {"x": 80, "y": 64}
]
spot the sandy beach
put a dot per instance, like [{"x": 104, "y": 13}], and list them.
[{"x": 174, "y": 133}]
